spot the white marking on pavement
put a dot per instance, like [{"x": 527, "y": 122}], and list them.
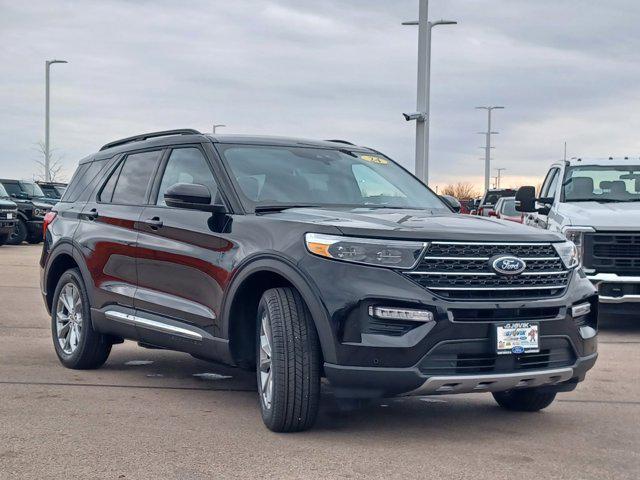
[
  {"x": 211, "y": 376},
  {"x": 134, "y": 363}
]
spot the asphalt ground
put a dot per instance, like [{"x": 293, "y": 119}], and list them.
[{"x": 151, "y": 414}]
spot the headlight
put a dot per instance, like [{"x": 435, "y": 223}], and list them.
[
  {"x": 576, "y": 235},
  {"x": 568, "y": 252},
  {"x": 369, "y": 251}
]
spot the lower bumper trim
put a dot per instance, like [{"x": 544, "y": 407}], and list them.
[
  {"x": 492, "y": 383},
  {"x": 621, "y": 299}
]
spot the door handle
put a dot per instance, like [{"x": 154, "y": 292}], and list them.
[
  {"x": 92, "y": 214},
  {"x": 154, "y": 223}
]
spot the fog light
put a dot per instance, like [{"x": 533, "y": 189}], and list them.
[
  {"x": 580, "y": 310},
  {"x": 401, "y": 314}
]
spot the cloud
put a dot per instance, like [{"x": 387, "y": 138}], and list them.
[{"x": 566, "y": 71}]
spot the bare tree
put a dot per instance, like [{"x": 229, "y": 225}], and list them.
[
  {"x": 461, "y": 190},
  {"x": 55, "y": 164}
]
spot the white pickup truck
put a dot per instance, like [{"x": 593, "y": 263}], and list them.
[{"x": 596, "y": 204}]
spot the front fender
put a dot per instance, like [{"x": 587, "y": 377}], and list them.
[{"x": 288, "y": 270}]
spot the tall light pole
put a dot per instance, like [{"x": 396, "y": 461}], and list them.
[
  {"x": 217, "y": 125},
  {"x": 424, "y": 80},
  {"x": 499, "y": 177},
  {"x": 487, "y": 153},
  {"x": 47, "y": 157}
]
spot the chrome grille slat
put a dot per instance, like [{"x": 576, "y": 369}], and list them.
[{"x": 462, "y": 270}]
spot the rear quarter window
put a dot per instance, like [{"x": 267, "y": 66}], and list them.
[{"x": 82, "y": 177}]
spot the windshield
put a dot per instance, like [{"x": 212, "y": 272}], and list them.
[
  {"x": 509, "y": 207},
  {"x": 274, "y": 175},
  {"x": 31, "y": 189},
  {"x": 611, "y": 183},
  {"x": 3, "y": 192},
  {"x": 491, "y": 198}
]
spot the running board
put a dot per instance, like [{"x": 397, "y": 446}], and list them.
[{"x": 154, "y": 325}]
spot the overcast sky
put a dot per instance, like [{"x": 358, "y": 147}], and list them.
[{"x": 565, "y": 70}]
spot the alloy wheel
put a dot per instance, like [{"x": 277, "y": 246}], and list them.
[
  {"x": 266, "y": 372},
  {"x": 69, "y": 318}
]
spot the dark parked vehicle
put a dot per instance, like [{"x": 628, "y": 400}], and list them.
[
  {"x": 32, "y": 208},
  {"x": 306, "y": 259},
  {"x": 452, "y": 202},
  {"x": 8, "y": 215},
  {"x": 53, "y": 190},
  {"x": 489, "y": 200}
]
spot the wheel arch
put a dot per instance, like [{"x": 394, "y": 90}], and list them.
[
  {"x": 63, "y": 258},
  {"x": 244, "y": 293}
]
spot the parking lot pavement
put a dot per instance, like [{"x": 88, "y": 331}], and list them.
[{"x": 151, "y": 414}]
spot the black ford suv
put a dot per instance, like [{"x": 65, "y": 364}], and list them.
[
  {"x": 32, "y": 207},
  {"x": 8, "y": 214},
  {"x": 307, "y": 259}
]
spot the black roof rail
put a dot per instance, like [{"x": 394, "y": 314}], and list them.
[
  {"x": 145, "y": 136},
  {"x": 341, "y": 141}
]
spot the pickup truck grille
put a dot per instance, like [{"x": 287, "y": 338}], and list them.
[
  {"x": 462, "y": 271},
  {"x": 612, "y": 252}
]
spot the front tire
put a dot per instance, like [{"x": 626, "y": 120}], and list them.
[
  {"x": 19, "y": 234},
  {"x": 525, "y": 400},
  {"x": 288, "y": 361},
  {"x": 77, "y": 344},
  {"x": 4, "y": 238}
]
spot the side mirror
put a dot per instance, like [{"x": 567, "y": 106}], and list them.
[
  {"x": 526, "y": 199},
  {"x": 191, "y": 196}
]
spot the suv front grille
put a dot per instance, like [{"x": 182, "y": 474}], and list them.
[
  {"x": 459, "y": 270},
  {"x": 614, "y": 252},
  {"x": 474, "y": 357}
]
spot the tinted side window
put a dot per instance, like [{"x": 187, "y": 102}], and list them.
[
  {"x": 550, "y": 183},
  {"x": 187, "y": 165},
  {"x": 107, "y": 192},
  {"x": 134, "y": 178},
  {"x": 85, "y": 173}
]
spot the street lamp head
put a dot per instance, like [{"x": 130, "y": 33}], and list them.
[
  {"x": 444, "y": 22},
  {"x": 50, "y": 62}
]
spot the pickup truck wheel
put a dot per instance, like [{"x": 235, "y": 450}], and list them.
[
  {"x": 525, "y": 400},
  {"x": 19, "y": 233},
  {"x": 288, "y": 361},
  {"x": 77, "y": 344},
  {"x": 4, "y": 238}
]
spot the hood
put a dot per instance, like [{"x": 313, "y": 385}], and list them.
[
  {"x": 602, "y": 216},
  {"x": 45, "y": 200},
  {"x": 416, "y": 224},
  {"x": 6, "y": 203}
]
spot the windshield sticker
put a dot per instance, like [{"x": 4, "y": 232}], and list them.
[{"x": 374, "y": 159}]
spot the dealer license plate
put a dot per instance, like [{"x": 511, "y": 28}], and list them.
[
  {"x": 517, "y": 338},
  {"x": 9, "y": 216}
]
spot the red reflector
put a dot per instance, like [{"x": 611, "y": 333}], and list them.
[{"x": 48, "y": 218}]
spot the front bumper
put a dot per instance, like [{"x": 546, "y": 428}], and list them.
[
  {"x": 34, "y": 228},
  {"x": 363, "y": 382},
  {"x": 616, "y": 289}
]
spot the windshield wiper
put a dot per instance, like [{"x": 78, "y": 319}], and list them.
[{"x": 279, "y": 208}]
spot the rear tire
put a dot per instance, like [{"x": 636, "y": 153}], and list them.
[
  {"x": 34, "y": 240},
  {"x": 525, "y": 400},
  {"x": 77, "y": 344},
  {"x": 288, "y": 361},
  {"x": 19, "y": 233}
]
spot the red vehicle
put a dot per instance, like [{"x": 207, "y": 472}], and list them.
[{"x": 505, "y": 209}]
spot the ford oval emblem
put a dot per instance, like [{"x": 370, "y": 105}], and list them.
[
  {"x": 518, "y": 349},
  {"x": 508, "y": 265}
]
